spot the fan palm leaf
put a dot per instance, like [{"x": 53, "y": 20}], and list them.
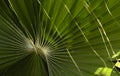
[{"x": 58, "y": 37}]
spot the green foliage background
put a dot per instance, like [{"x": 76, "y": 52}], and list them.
[{"x": 58, "y": 37}]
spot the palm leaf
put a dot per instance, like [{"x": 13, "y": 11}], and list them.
[{"x": 58, "y": 37}]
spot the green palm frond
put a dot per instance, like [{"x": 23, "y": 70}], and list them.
[{"x": 59, "y": 37}]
